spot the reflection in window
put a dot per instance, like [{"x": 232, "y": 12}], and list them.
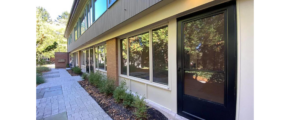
[
  {"x": 204, "y": 53},
  {"x": 205, "y": 85},
  {"x": 83, "y": 25},
  {"x": 124, "y": 56},
  {"x": 87, "y": 61},
  {"x": 204, "y": 43},
  {"x": 160, "y": 55},
  {"x": 84, "y": 58},
  {"x": 102, "y": 57},
  {"x": 91, "y": 60},
  {"x": 96, "y": 57},
  {"x": 88, "y": 15},
  {"x": 100, "y": 8},
  {"x": 76, "y": 33},
  {"x": 139, "y": 56}
]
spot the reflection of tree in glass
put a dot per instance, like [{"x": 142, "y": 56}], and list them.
[
  {"x": 124, "y": 56},
  {"x": 139, "y": 51},
  {"x": 204, "y": 43},
  {"x": 160, "y": 53}
]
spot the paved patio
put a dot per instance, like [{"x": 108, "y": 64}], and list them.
[{"x": 61, "y": 97}]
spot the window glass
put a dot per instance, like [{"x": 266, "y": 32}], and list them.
[
  {"x": 160, "y": 55},
  {"x": 204, "y": 53},
  {"x": 89, "y": 15},
  {"x": 204, "y": 44},
  {"x": 84, "y": 58},
  {"x": 87, "y": 61},
  {"x": 100, "y": 8},
  {"x": 76, "y": 33},
  {"x": 96, "y": 57},
  {"x": 91, "y": 60},
  {"x": 124, "y": 56},
  {"x": 101, "y": 57},
  {"x": 83, "y": 27},
  {"x": 139, "y": 56}
]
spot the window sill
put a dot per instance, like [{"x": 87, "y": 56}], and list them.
[
  {"x": 165, "y": 87},
  {"x": 101, "y": 70}
]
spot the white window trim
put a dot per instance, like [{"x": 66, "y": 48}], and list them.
[{"x": 150, "y": 81}]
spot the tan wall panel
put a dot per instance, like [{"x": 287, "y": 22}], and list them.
[
  {"x": 138, "y": 87},
  {"x": 160, "y": 96}
]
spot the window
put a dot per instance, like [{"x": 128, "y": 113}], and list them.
[
  {"x": 100, "y": 8},
  {"x": 139, "y": 56},
  {"x": 160, "y": 55},
  {"x": 88, "y": 15},
  {"x": 124, "y": 56},
  {"x": 91, "y": 60},
  {"x": 111, "y": 2},
  {"x": 102, "y": 57},
  {"x": 76, "y": 33},
  {"x": 83, "y": 24},
  {"x": 84, "y": 58},
  {"x": 136, "y": 56}
]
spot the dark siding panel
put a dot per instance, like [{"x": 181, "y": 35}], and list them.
[{"x": 112, "y": 17}]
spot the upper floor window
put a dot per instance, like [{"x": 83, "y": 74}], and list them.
[
  {"x": 76, "y": 33},
  {"x": 100, "y": 8},
  {"x": 83, "y": 24},
  {"x": 111, "y": 2}
]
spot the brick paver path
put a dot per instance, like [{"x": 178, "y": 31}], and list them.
[{"x": 62, "y": 93}]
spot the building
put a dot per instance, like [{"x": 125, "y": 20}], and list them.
[{"x": 190, "y": 58}]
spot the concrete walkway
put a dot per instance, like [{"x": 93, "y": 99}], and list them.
[{"x": 62, "y": 97}]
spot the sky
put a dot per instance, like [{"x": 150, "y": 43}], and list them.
[{"x": 55, "y": 7}]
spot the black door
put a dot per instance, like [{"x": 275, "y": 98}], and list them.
[{"x": 207, "y": 64}]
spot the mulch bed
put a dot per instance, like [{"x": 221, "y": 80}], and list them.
[
  {"x": 72, "y": 73},
  {"x": 116, "y": 110}
]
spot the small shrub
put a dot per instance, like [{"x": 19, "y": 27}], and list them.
[
  {"x": 77, "y": 70},
  {"x": 39, "y": 79},
  {"x": 95, "y": 79},
  {"x": 41, "y": 69},
  {"x": 107, "y": 86},
  {"x": 85, "y": 76},
  {"x": 141, "y": 109},
  {"x": 120, "y": 92},
  {"x": 128, "y": 100},
  {"x": 67, "y": 65}
]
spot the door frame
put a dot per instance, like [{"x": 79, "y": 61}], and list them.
[{"x": 230, "y": 96}]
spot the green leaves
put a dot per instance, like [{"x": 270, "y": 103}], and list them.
[
  {"x": 49, "y": 34},
  {"x": 51, "y": 47}
]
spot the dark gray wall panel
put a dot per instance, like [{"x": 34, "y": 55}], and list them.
[{"x": 121, "y": 11}]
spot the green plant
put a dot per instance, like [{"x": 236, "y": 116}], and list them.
[
  {"x": 107, "y": 86},
  {"x": 120, "y": 92},
  {"x": 41, "y": 69},
  {"x": 95, "y": 79},
  {"x": 141, "y": 109},
  {"x": 85, "y": 76},
  {"x": 77, "y": 70},
  {"x": 39, "y": 79},
  {"x": 67, "y": 65},
  {"x": 128, "y": 100}
]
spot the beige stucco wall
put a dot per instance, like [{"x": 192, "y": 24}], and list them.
[{"x": 245, "y": 85}]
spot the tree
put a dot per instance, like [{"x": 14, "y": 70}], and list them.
[{"x": 49, "y": 34}]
